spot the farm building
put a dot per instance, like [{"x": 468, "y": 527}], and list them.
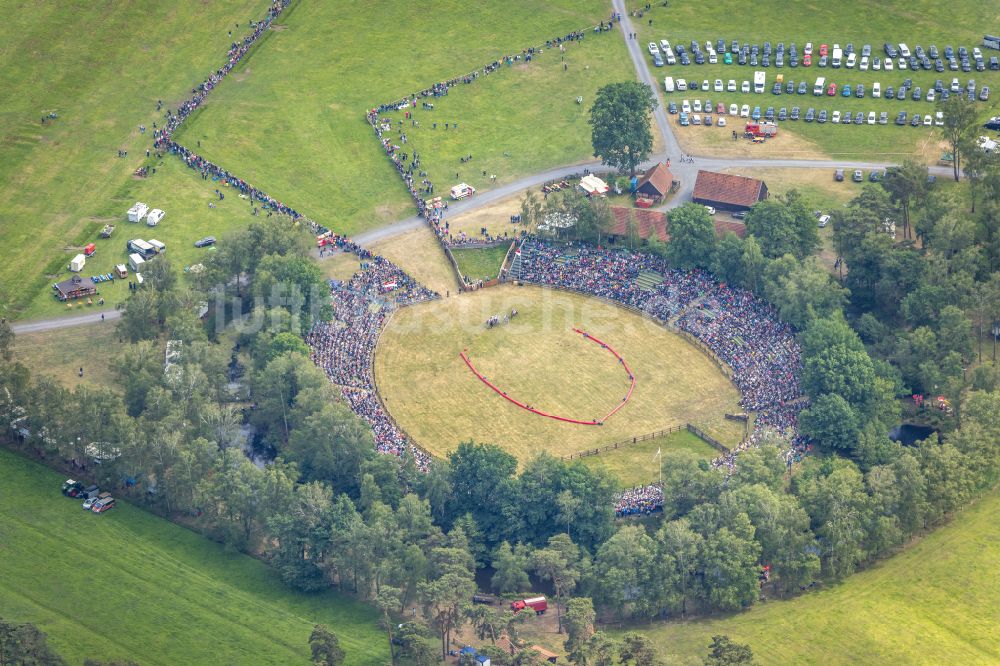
[
  {"x": 75, "y": 287},
  {"x": 655, "y": 183},
  {"x": 728, "y": 192},
  {"x": 648, "y": 223}
]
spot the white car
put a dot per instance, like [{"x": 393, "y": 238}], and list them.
[
  {"x": 928, "y": 121},
  {"x": 695, "y": 119},
  {"x": 901, "y": 63},
  {"x": 697, "y": 106},
  {"x": 653, "y": 48},
  {"x": 734, "y": 110},
  {"x": 681, "y": 84},
  {"x": 876, "y": 89},
  {"x": 721, "y": 122},
  {"x": 745, "y": 111},
  {"x": 718, "y": 85},
  {"x": 686, "y": 106},
  {"x": 876, "y": 65},
  {"x": 808, "y": 49},
  {"x": 931, "y": 95},
  {"x": 863, "y": 65},
  {"x": 904, "y": 50},
  {"x": 939, "y": 118},
  {"x": 852, "y": 59},
  {"x": 704, "y": 84},
  {"x": 745, "y": 88},
  {"x": 887, "y": 64},
  {"x": 664, "y": 45},
  {"x": 731, "y": 86},
  {"x": 835, "y": 119},
  {"x": 955, "y": 85},
  {"x": 823, "y": 221},
  {"x": 872, "y": 118},
  {"x": 711, "y": 211}
]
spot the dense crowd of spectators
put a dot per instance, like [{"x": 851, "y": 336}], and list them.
[
  {"x": 740, "y": 329},
  {"x": 344, "y": 347}
]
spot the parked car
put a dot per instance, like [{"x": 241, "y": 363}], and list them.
[
  {"x": 984, "y": 94},
  {"x": 823, "y": 50},
  {"x": 915, "y": 120},
  {"x": 823, "y": 221},
  {"x": 810, "y": 115},
  {"x": 657, "y": 60},
  {"x": 782, "y": 114},
  {"x": 835, "y": 119},
  {"x": 821, "y": 117},
  {"x": 672, "y": 108},
  {"x": 859, "y": 118},
  {"x": 931, "y": 95},
  {"x": 653, "y": 48},
  {"x": 745, "y": 111},
  {"x": 734, "y": 110},
  {"x": 720, "y": 108},
  {"x": 795, "y": 113},
  {"x": 872, "y": 119},
  {"x": 890, "y": 92},
  {"x": 727, "y": 58},
  {"x": 803, "y": 88},
  {"x": 708, "y": 120},
  {"x": 917, "y": 94},
  {"x": 697, "y": 106},
  {"x": 876, "y": 90},
  {"x": 756, "y": 113},
  {"x": 876, "y": 63},
  {"x": 883, "y": 118},
  {"x": 859, "y": 92},
  {"x": 683, "y": 119},
  {"x": 887, "y": 64},
  {"x": 205, "y": 242},
  {"x": 790, "y": 87},
  {"x": 838, "y": 175},
  {"x": 858, "y": 176},
  {"x": 901, "y": 118},
  {"x": 721, "y": 122},
  {"x": 831, "y": 89},
  {"x": 745, "y": 88},
  {"x": 846, "y": 90},
  {"x": 731, "y": 86},
  {"x": 939, "y": 118},
  {"x": 103, "y": 505},
  {"x": 718, "y": 85},
  {"x": 901, "y": 93},
  {"x": 776, "y": 89}
]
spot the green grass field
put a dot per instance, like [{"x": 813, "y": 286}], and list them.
[
  {"x": 304, "y": 138},
  {"x": 127, "y": 584},
  {"x": 540, "y": 361},
  {"x": 637, "y": 464},
  {"x": 934, "y": 603},
  {"x": 922, "y": 22},
  {"x": 102, "y": 71},
  {"x": 481, "y": 263},
  {"x": 60, "y": 353}
]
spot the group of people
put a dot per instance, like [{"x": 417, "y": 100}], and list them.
[
  {"x": 739, "y": 328},
  {"x": 344, "y": 347},
  {"x": 409, "y": 170},
  {"x": 639, "y": 501}
]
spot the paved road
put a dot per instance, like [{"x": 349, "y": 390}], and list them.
[{"x": 40, "y": 325}]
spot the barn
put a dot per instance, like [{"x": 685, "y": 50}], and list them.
[
  {"x": 655, "y": 183},
  {"x": 648, "y": 223},
  {"x": 726, "y": 191}
]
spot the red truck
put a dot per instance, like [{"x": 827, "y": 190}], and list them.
[{"x": 537, "y": 604}]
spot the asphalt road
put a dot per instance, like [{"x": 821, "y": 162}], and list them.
[{"x": 40, "y": 325}]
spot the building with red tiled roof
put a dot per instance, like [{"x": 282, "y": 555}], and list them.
[
  {"x": 648, "y": 223},
  {"x": 655, "y": 183},
  {"x": 728, "y": 192}
]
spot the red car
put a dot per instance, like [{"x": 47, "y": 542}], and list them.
[
  {"x": 831, "y": 89},
  {"x": 822, "y": 50},
  {"x": 807, "y": 60}
]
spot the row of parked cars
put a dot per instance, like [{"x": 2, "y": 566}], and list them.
[
  {"x": 940, "y": 91},
  {"x": 687, "y": 111},
  {"x": 663, "y": 53},
  {"x": 93, "y": 499}
]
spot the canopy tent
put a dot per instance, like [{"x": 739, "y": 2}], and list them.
[{"x": 592, "y": 185}]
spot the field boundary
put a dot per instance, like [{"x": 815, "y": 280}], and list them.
[{"x": 621, "y": 444}]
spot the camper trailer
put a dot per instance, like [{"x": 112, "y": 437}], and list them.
[
  {"x": 157, "y": 246},
  {"x": 77, "y": 263},
  {"x": 758, "y": 82},
  {"x": 137, "y": 212},
  {"x": 135, "y": 261},
  {"x": 140, "y": 247},
  {"x": 154, "y": 217}
]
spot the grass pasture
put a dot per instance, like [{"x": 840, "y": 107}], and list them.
[
  {"x": 934, "y": 603},
  {"x": 304, "y": 137},
  {"x": 61, "y": 352},
  {"x": 922, "y": 22},
  {"x": 481, "y": 263},
  {"x": 127, "y": 584},
  {"x": 420, "y": 254},
  {"x": 70, "y": 58},
  {"x": 539, "y": 360},
  {"x": 636, "y": 464}
]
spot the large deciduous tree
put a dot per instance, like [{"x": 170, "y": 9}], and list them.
[
  {"x": 692, "y": 237},
  {"x": 959, "y": 127},
  {"x": 620, "y": 124},
  {"x": 784, "y": 225}
]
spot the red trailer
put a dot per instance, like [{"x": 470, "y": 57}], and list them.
[
  {"x": 90, "y": 250},
  {"x": 764, "y": 129},
  {"x": 537, "y": 604}
]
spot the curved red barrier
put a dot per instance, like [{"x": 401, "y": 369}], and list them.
[{"x": 556, "y": 417}]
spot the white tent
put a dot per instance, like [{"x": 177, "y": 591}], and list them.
[{"x": 591, "y": 184}]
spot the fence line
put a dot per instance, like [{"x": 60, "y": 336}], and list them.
[{"x": 694, "y": 430}]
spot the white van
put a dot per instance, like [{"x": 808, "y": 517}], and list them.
[
  {"x": 664, "y": 45},
  {"x": 819, "y": 87},
  {"x": 838, "y": 57},
  {"x": 669, "y": 56},
  {"x": 904, "y": 50},
  {"x": 876, "y": 89},
  {"x": 668, "y": 84},
  {"x": 759, "y": 78},
  {"x": 852, "y": 59},
  {"x": 154, "y": 216},
  {"x": 713, "y": 59}
]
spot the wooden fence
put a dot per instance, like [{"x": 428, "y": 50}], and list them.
[{"x": 697, "y": 432}]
